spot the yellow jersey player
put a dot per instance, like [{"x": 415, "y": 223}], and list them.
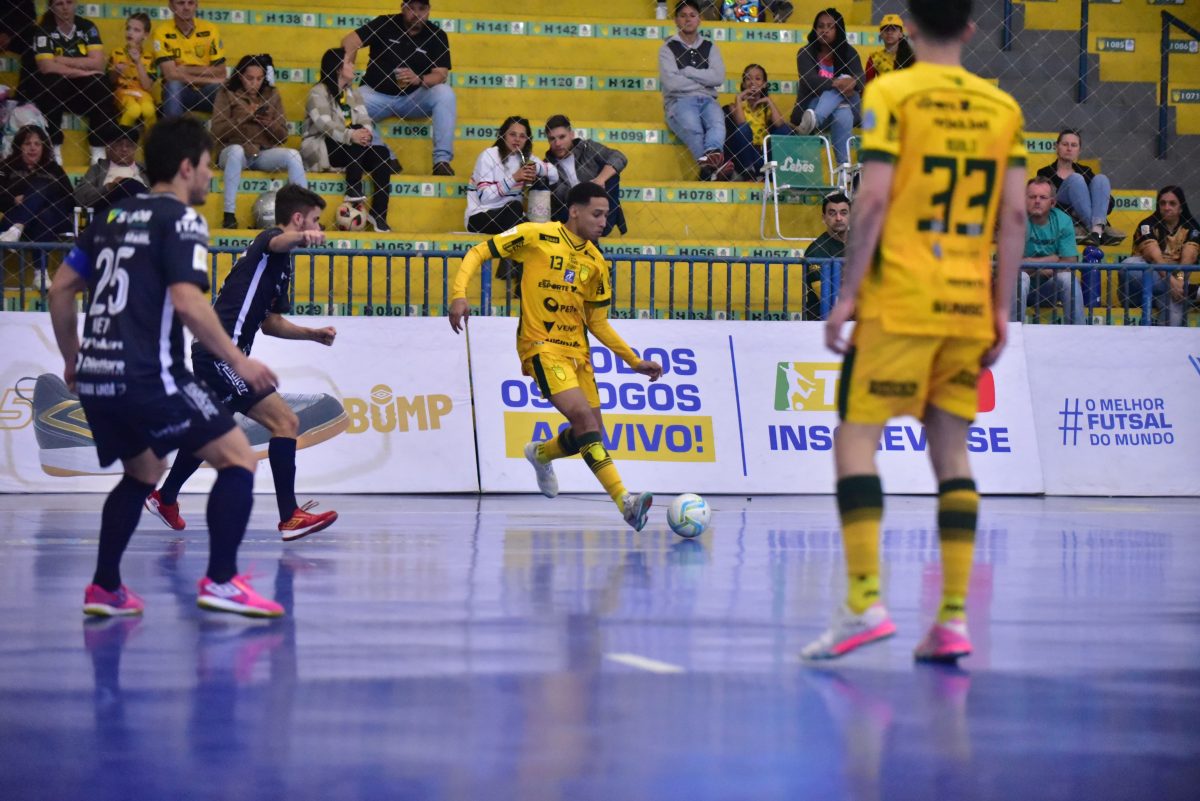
[
  {"x": 565, "y": 295},
  {"x": 943, "y": 154}
]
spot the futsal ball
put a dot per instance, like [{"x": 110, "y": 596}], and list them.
[
  {"x": 350, "y": 217},
  {"x": 688, "y": 515},
  {"x": 264, "y": 209}
]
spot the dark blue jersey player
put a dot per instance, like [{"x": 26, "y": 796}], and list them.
[
  {"x": 254, "y": 297},
  {"x": 146, "y": 266}
]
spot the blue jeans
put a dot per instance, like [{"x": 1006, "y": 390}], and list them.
[
  {"x": 45, "y": 213},
  {"x": 837, "y": 113},
  {"x": 1087, "y": 204},
  {"x": 698, "y": 121},
  {"x": 437, "y": 103},
  {"x": 233, "y": 160},
  {"x": 739, "y": 145},
  {"x": 1063, "y": 288},
  {"x": 178, "y": 97},
  {"x": 1166, "y": 310}
]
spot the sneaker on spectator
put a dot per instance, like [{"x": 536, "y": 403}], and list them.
[
  {"x": 168, "y": 513},
  {"x": 443, "y": 168},
  {"x": 13, "y": 233},
  {"x": 1091, "y": 239},
  {"x": 1081, "y": 233},
  {"x": 1112, "y": 236},
  {"x": 379, "y": 223},
  {"x": 781, "y": 10},
  {"x": 723, "y": 173},
  {"x": 229, "y": 220},
  {"x": 808, "y": 122},
  {"x": 236, "y": 596},
  {"x": 39, "y": 280},
  {"x": 99, "y": 601}
]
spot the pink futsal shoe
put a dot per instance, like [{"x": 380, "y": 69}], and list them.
[
  {"x": 236, "y": 596},
  {"x": 303, "y": 522},
  {"x": 945, "y": 642},
  {"x": 101, "y": 602},
  {"x": 168, "y": 513},
  {"x": 849, "y": 631}
]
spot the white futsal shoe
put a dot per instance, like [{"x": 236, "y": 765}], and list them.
[{"x": 547, "y": 481}]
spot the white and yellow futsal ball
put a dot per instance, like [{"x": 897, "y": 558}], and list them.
[
  {"x": 688, "y": 515},
  {"x": 350, "y": 217}
]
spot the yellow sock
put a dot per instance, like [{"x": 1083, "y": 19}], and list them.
[
  {"x": 958, "y": 511},
  {"x": 561, "y": 446},
  {"x": 860, "y": 503},
  {"x": 600, "y": 462}
]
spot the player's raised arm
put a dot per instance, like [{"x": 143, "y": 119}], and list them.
[
  {"x": 596, "y": 320},
  {"x": 276, "y": 325}
]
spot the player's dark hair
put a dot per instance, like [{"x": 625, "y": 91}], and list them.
[
  {"x": 1185, "y": 214},
  {"x": 172, "y": 141},
  {"x": 583, "y": 193},
  {"x": 503, "y": 129},
  {"x": 1069, "y": 132},
  {"x": 941, "y": 20},
  {"x": 142, "y": 17},
  {"x": 295, "y": 198},
  {"x": 331, "y": 68},
  {"x": 557, "y": 121},
  {"x": 682, "y": 4},
  {"x": 833, "y": 197}
]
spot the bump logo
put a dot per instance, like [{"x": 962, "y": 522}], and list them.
[{"x": 385, "y": 412}]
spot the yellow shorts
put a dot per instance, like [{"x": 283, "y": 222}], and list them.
[
  {"x": 891, "y": 375},
  {"x": 555, "y": 373}
]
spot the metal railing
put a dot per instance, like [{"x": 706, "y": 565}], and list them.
[
  {"x": 418, "y": 283},
  {"x": 1168, "y": 20}
]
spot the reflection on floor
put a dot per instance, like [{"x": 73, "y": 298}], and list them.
[{"x": 520, "y": 648}]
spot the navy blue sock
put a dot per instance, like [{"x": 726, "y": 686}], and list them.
[
  {"x": 122, "y": 510},
  {"x": 282, "y": 453},
  {"x": 182, "y": 468},
  {"x": 229, "y": 505}
]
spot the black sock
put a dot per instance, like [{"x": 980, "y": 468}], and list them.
[
  {"x": 122, "y": 510},
  {"x": 182, "y": 468},
  {"x": 282, "y": 453},
  {"x": 229, "y": 505}
]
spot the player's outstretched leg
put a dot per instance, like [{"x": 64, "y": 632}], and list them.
[
  {"x": 163, "y": 503},
  {"x": 229, "y": 503},
  {"x": 295, "y": 521},
  {"x": 106, "y": 595},
  {"x": 634, "y": 506}
]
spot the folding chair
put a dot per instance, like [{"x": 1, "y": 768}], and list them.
[
  {"x": 794, "y": 166},
  {"x": 848, "y": 172}
]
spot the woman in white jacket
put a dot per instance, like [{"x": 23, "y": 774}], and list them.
[
  {"x": 337, "y": 135},
  {"x": 495, "y": 196}
]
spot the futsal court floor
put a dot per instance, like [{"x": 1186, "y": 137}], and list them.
[{"x": 516, "y": 647}]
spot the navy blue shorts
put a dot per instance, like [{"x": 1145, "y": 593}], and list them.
[
  {"x": 229, "y": 387},
  {"x": 125, "y": 426}
]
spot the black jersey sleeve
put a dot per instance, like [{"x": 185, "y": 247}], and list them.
[{"x": 183, "y": 248}]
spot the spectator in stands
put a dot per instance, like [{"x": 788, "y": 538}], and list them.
[
  {"x": 896, "y": 53},
  {"x": 780, "y": 10},
  {"x": 114, "y": 178},
  {"x": 249, "y": 124},
  {"x": 577, "y": 160},
  {"x": 748, "y": 119},
  {"x": 16, "y": 25},
  {"x": 495, "y": 196},
  {"x": 69, "y": 76},
  {"x": 408, "y": 74},
  {"x": 1049, "y": 239},
  {"x": 35, "y": 193},
  {"x": 831, "y": 74},
  {"x": 742, "y": 10},
  {"x": 132, "y": 70},
  {"x": 1169, "y": 236},
  {"x": 190, "y": 58},
  {"x": 1087, "y": 197},
  {"x": 691, "y": 72},
  {"x": 337, "y": 135},
  {"x": 831, "y": 244}
]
